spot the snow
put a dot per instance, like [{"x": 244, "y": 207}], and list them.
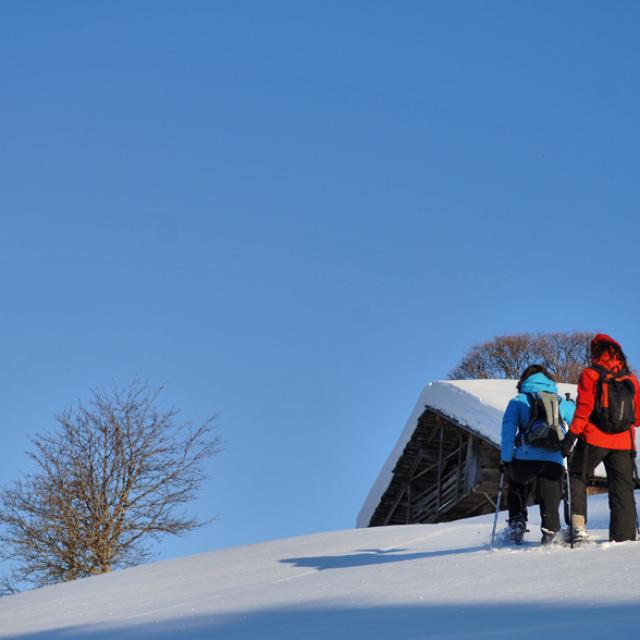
[
  {"x": 437, "y": 581},
  {"x": 477, "y": 405},
  {"x": 405, "y": 582}
]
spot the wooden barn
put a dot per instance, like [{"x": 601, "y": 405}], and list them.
[{"x": 445, "y": 465}]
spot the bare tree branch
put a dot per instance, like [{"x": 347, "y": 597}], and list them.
[
  {"x": 563, "y": 354},
  {"x": 114, "y": 476}
]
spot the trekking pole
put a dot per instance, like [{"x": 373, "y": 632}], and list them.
[
  {"x": 495, "y": 518},
  {"x": 567, "y": 483},
  {"x": 568, "y": 501},
  {"x": 636, "y": 482}
]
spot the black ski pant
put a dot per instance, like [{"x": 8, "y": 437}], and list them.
[
  {"x": 548, "y": 475},
  {"x": 619, "y": 465}
]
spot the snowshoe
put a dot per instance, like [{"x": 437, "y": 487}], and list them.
[
  {"x": 548, "y": 537},
  {"x": 577, "y": 533},
  {"x": 580, "y": 536},
  {"x": 515, "y": 531}
]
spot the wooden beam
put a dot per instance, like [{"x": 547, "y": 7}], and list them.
[
  {"x": 432, "y": 435},
  {"x": 472, "y": 463},
  {"x": 396, "y": 502},
  {"x": 440, "y": 466},
  {"x": 459, "y": 477}
]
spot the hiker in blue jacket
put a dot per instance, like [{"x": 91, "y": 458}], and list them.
[{"x": 527, "y": 457}]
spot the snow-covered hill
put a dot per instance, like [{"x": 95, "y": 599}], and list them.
[{"x": 409, "y": 582}]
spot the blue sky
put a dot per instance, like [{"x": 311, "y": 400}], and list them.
[{"x": 295, "y": 214}]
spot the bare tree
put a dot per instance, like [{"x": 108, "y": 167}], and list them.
[
  {"x": 114, "y": 477},
  {"x": 563, "y": 354}
]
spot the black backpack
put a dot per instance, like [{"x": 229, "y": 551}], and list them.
[
  {"x": 546, "y": 428},
  {"x": 615, "y": 407}
]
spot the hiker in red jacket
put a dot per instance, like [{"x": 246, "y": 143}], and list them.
[{"x": 607, "y": 411}]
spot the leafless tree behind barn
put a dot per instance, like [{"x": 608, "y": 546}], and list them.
[
  {"x": 114, "y": 477},
  {"x": 563, "y": 354}
]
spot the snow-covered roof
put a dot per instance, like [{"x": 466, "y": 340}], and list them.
[{"x": 477, "y": 405}]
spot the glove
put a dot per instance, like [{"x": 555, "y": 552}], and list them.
[
  {"x": 504, "y": 467},
  {"x": 567, "y": 444}
]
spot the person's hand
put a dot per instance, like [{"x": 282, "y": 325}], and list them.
[
  {"x": 504, "y": 467},
  {"x": 567, "y": 443}
]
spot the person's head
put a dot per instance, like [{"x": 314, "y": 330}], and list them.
[
  {"x": 605, "y": 348},
  {"x": 531, "y": 370}
]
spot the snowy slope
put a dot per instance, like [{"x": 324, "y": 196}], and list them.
[
  {"x": 408, "y": 582},
  {"x": 476, "y": 404}
]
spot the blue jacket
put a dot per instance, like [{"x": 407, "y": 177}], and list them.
[{"x": 517, "y": 415}]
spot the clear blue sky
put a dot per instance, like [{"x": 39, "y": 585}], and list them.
[{"x": 298, "y": 213}]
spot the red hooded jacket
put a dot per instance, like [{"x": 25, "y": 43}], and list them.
[{"x": 585, "y": 404}]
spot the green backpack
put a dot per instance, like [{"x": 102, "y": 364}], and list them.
[{"x": 546, "y": 428}]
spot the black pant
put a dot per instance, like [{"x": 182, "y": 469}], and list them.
[
  {"x": 548, "y": 490},
  {"x": 618, "y": 464}
]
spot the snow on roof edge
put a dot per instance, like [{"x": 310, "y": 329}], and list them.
[{"x": 384, "y": 477}]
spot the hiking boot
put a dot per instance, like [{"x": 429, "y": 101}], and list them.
[
  {"x": 548, "y": 537},
  {"x": 578, "y": 524},
  {"x": 517, "y": 529}
]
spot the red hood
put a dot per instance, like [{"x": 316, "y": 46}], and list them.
[
  {"x": 613, "y": 363},
  {"x": 603, "y": 337}
]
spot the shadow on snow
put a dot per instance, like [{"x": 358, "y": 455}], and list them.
[
  {"x": 373, "y": 556},
  {"x": 459, "y": 621}
]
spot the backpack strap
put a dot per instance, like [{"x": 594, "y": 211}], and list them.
[
  {"x": 623, "y": 374},
  {"x": 522, "y": 427},
  {"x": 599, "y": 368},
  {"x": 533, "y": 408}
]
